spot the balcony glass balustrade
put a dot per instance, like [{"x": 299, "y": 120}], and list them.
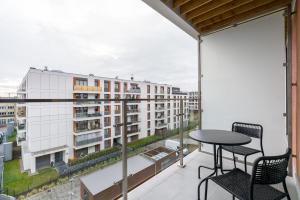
[
  {"x": 86, "y": 115},
  {"x": 88, "y": 141}
]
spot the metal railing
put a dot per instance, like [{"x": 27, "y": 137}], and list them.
[{"x": 124, "y": 124}]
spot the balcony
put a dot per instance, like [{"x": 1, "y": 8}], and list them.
[
  {"x": 88, "y": 141},
  {"x": 132, "y": 111},
  {"x": 132, "y": 131},
  {"x": 21, "y": 111},
  {"x": 86, "y": 103},
  {"x": 21, "y": 127},
  {"x": 159, "y": 108},
  {"x": 88, "y": 129},
  {"x": 161, "y": 125},
  {"x": 88, "y": 115},
  {"x": 159, "y": 117},
  {"x": 134, "y": 90},
  {"x": 175, "y": 183},
  {"x": 86, "y": 89}
]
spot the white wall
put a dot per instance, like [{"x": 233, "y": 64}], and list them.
[{"x": 244, "y": 79}]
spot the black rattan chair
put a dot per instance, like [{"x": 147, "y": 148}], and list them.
[
  {"x": 251, "y": 130},
  {"x": 267, "y": 170}
]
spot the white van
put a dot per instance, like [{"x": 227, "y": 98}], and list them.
[{"x": 174, "y": 145}]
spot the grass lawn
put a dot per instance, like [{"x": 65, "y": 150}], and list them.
[
  {"x": 13, "y": 136},
  {"x": 15, "y": 180}
]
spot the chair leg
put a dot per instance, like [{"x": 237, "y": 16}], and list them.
[
  {"x": 234, "y": 161},
  {"x": 206, "y": 188},
  {"x": 233, "y": 197},
  {"x": 286, "y": 190},
  {"x": 245, "y": 162},
  {"x": 218, "y": 154}
]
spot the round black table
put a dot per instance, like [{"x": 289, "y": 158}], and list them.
[{"x": 221, "y": 138}]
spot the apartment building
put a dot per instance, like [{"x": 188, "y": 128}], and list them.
[
  {"x": 7, "y": 114},
  {"x": 193, "y": 101},
  {"x": 53, "y": 132}
]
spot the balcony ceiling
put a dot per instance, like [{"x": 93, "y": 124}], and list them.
[{"x": 207, "y": 16}]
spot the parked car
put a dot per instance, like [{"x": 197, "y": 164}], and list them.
[{"x": 175, "y": 145}]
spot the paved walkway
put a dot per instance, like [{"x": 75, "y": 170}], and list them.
[{"x": 67, "y": 191}]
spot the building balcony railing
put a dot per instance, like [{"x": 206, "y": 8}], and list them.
[
  {"x": 87, "y": 102},
  {"x": 117, "y": 111},
  {"x": 133, "y": 110},
  {"x": 160, "y": 108},
  {"x": 134, "y": 90},
  {"x": 107, "y": 124},
  {"x": 133, "y": 131},
  {"x": 85, "y": 115},
  {"x": 159, "y": 116},
  {"x": 117, "y": 132},
  {"x": 134, "y": 121},
  {"x": 106, "y": 112},
  {"x": 160, "y": 125},
  {"x": 107, "y": 135},
  {"x": 21, "y": 126},
  {"x": 88, "y": 141},
  {"x": 87, "y": 88},
  {"x": 93, "y": 128}
]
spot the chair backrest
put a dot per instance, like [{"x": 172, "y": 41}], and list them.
[
  {"x": 270, "y": 169},
  {"x": 251, "y": 130}
]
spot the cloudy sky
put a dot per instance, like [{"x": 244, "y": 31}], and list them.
[{"x": 104, "y": 37}]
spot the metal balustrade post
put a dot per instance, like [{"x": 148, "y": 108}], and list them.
[
  {"x": 124, "y": 151},
  {"x": 181, "y": 135},
  {"x": 199, "y": 87}
]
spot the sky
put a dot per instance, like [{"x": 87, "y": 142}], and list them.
[{"x": 106, "y": 38}]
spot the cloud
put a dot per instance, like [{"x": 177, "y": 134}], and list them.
[{"x": 104, "y": 37}]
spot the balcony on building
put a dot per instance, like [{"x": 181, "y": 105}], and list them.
[
  {"x": 133, "y": 129},
  {"x": 81, "y": 86},
  {"x": 87, "y": 126},
  {"x": 85, "y": 140},
  {"x": 21, "y": 111}
]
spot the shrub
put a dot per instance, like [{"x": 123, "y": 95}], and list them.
[{"x": 93, "y": 156}]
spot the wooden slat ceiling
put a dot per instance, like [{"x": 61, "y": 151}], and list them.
[{"x": 207, "y": 16}]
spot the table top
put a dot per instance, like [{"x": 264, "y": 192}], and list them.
[{"x": 220, "y": 137}]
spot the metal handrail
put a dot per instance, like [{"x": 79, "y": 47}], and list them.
[{"x": 124, "y": 124}]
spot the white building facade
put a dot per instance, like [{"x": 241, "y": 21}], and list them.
[
  {"x": 7, "y": 114},
  {"x": 193, "y": 101},
  {"x": 54, "y": 132}
]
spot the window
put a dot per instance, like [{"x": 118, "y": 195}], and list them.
[
  {"x": 168, "y": 90},
  {"x": 155, "y": 89},
  {"x": 107, "y": 133},
  {"x": 148, "y": 133},
  {"x": 107, "y": 144},
  {"x": 106, "y": 121},
  {"x": 148, "y": 116},
  {"x": 148, "y": 107},
  {"x": 106, "y": 86},
  {"x": 117, "y": 87},
  {"x": 148, "y": 88},
  {"x": 81, "y": 82},
  {"x": 148, "y": 97},
  {"x": 149, "y": 124}
]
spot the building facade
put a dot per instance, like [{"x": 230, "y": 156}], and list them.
[
  {"x": 7, "y": 114},
  {"x": 53, "y": 132},
  {"x": 193, "y": 101}
]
